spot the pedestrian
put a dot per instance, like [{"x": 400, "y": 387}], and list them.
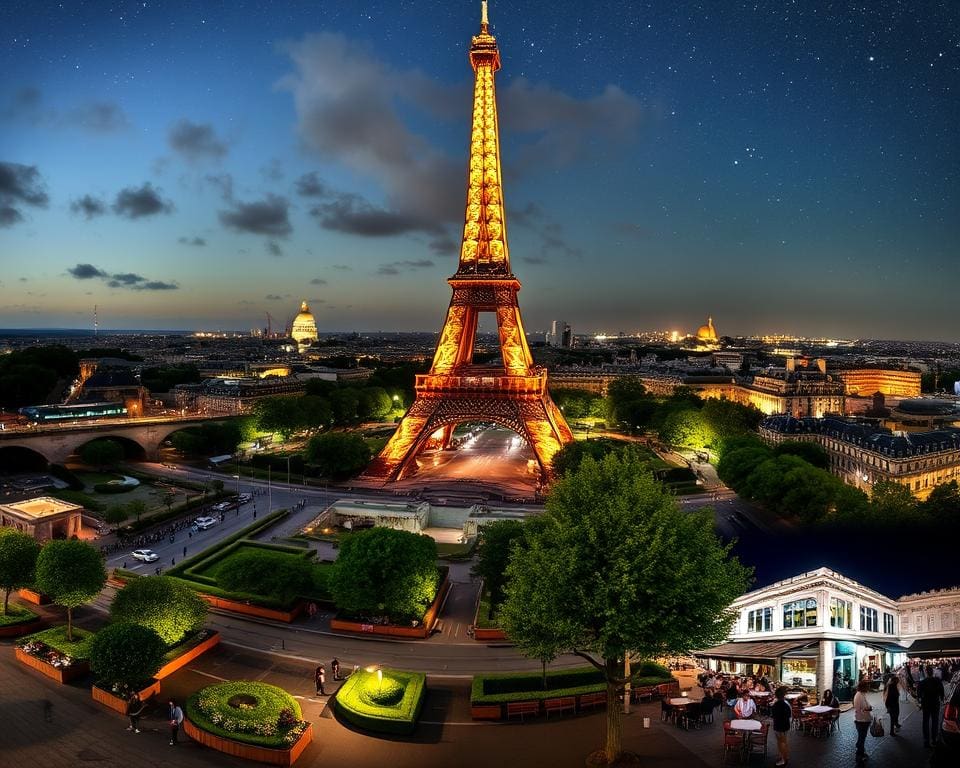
[
  {"x": 862, "y": 718},
  {"x": 312, "y": 610},
  {"x": 134, "y": 710},
  {"x": 320, "y": 677},
  {"x": 157, "y": 570},
  {"x": 335, "y": 668},
  {"x": 175, "y": 716},
  {"x": 124, "y": 565},
  {"x": 254, "y": 514},
  {"x": 930, "y": 693},
  {"x": 781, "y": 724},
  {"x": 184, "y": 551},
  {"x": 891, "y": 700},
  {"x": 173, "y": 561}
]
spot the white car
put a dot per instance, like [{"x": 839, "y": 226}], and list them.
[
  {"x": 205, "y": 522},
  {"x": 145, "y": 555},
  {"x": 243, "y": 498}
]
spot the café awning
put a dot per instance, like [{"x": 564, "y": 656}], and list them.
[
  {"x": 933, "y": 647},
  {"x": 757, "y": 652}
]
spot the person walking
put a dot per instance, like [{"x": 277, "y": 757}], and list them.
[
  {"x": 175, "y": 716},
  {"x": 862, "y": 718},
  {"x": 782, "y": 714},
  {"x": 335, "y": 668},
  {"x": 320, "y": 677},
  {"x": 134, "y": 710},
  {"x": 891, "y": 700},
  {"x": 930, "y": 693}
]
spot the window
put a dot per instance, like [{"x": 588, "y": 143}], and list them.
[
  {"x": 918, "y": 623},
  {"x": 930, "y": 623},
  {"x": 868, "y": 619},
  {"x": 800, "y": 613},
  {"x": 841, "y": 613},
  {"x": 888, "y": 627},
  {"x": 760, "y": 620}
]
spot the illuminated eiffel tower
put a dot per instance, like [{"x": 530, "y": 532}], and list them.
[{"x": 456, "y": 390}]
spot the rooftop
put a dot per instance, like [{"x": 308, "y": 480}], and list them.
[{"x": 40, "y": 507}]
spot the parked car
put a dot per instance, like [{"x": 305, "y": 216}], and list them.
[
  {"x": 203, "y": 523},
  {"x": 145, "y": 555}
]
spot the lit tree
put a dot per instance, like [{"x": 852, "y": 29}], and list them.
[
  {"x": 166, "y": 606},
  {"x": 125, "y": 653},
  {"x": 71, "y": 572},
  {"x": 616, "y": 568},
  {"x": 18, "y": 560}
]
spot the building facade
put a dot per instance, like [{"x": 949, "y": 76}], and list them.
[
  {"x": 43, "y": 517},
  {"x": 865, "y": 382}
]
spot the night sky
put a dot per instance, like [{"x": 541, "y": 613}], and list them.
[{"x": 784, "y": 166}]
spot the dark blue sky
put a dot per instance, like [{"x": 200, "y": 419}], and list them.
[{"x": 783, "y": 166}]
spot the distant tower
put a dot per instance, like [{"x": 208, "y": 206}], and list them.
[
  {"x": 304, "y": 328},
  {"x": 96, "y": 324}
]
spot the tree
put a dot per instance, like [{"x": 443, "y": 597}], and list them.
[
  {"x": 616, "y": 568},
  {"x": 568, "y": 458},
  {"x": 126, "y": 654},
  {"x": 273, "y": 574},
  {"x": 217, "y": 485},
  {"x": 943, "y": 504},
  {"x": 345, "y": 403},
  {"x": 687, "y": 427},
  {"x": 102, "y": 454},
  {"x": 18, "y": 561},
  {"x": 810, "y": 452},
  {"x": 71, "y": 572},
  {"x": 116, "y": 514},
  {"x": 278, "y": 414},
  {"x": 316, "y": 412},
  {"x": 338, "y": 455},
  {"x": 737, "y": 462},
  {"x": 493, "y": 554},
  {"x": 385, "y": 572},
  {"x": 136, "y": 507},
  {"x": 374, "y": 403},
  {"x": 893, "y": 504},
  {"x": 166, "y": 606},
  {"x": 168, "y": 499}
]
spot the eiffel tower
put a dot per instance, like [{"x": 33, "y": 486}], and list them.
[{"x": 456, "y": 390}]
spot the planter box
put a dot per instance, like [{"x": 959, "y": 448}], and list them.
[
  {"x": 62, "y": 675},
  {"x": 187, "y": 656},
  {"x": 249, "y": 751},
  {"x": 486, "y": 712},
  {"x": 118, "y": 703},
  {"x": 488, "y": 635},
  {"x": 26, "y": 628},
  {"x": 34, "y": 597},
  {"x": 248, "y": 609},
  {"x": 391, "y": 630}
]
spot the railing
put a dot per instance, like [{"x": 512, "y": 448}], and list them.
[{"x": 527, "y": 385}]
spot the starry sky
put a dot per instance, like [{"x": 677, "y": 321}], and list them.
[{"x": 783, "y": 166}]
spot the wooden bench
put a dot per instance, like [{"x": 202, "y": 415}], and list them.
[
  {"x": 593, "y": 700},
  {"x": 560, "y": 705},
  {"x": 644, "y": 692},
  {"x": 522, "y": 708}
]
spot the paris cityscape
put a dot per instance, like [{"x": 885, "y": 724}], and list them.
[{"x": 285, "y": 476}]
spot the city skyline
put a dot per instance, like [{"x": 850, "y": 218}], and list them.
[{"x": 189, "y": 169}]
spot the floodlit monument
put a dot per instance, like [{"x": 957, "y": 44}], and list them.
[
  {"x": 514, "y": 393},
  {"x": 707, "y": 333},
  {"x": 43, "y": 517},
  {"x": 304, "y": 328}
]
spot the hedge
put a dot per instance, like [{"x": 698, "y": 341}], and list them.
[
  {"x": 56, "y": 638},
  {"x": 484, "y": 611},
  {"x": 528, "y": 686},
  {"x": 399, "y": 718},
  {"x": 250, "y": 530},
  {"x": 17, "y": 614},
  {"x": 257, "y": 725}
]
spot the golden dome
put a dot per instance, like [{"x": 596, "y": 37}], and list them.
[
  {"x": 304, "y": 325},
  {"x": 707, "y": 332}
]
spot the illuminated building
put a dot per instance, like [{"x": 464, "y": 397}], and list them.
[
  {"x": 233, "y": 396},
  {"x": 560, "y": 335},
  {"x": 513, "y": 394},
  {"x": 304, "y": 328},
  {"x": 707, "y": 333},
  {"x": 43, "y": 517},
  {"x": 866, "y": 382},
  {"x": 863, "y": 454}
]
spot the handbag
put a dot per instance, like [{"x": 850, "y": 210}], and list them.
[{"x": 876, "y": 728}]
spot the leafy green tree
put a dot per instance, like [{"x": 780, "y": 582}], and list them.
[
  {"x": 568, "y": 458},
  {"x": 385, "y": 572},
  {"x": 125, "y": 653},
  {"x": 136, "y": 507},
  {"x": 338, "y": 455},
  {"x": 168, "y": 499},
  {"x": 493, "y": 554},
  {"x": 575, "y": 403},
  {"x": 687, "y": 427},
  {"x": 116, "y": 514},
  {"x": 851, "y": 506},
  {"x": 613, "y": 570},
  {"x": 278, "y": 414},
  {"x": 188, "y": 442},
  {"x": 345, "y": 403},
  {"x": 942, "y": 506},
  {"x": 18, "y": 561},
  {"x": 71, "y": 572},
  {"x": 729, "y": 420},
  {"x": 374, "y": 403},
  {"x": 316, "y": 412},
  {"x": 810, "y": 452},
  {"x": 893, "y": 504},
  {"x": 738, "y": 462},
  {"x": 807, "y": 493},
  {"x": 165, "y": 605},
  {"x": 273, "y": 574},
  {"x": 102, "y": 454}
]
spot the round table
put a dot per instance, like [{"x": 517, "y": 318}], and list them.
[
  {"x": 745, "y": 725},
  {"x": 818, "y": 709},
  {"x": 793, "y": 696},
  {"x": 682, "y": 702}
]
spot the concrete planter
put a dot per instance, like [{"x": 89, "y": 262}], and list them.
[
  {"x": 486, "y": 712},
  {"x": 187, "y": 656},
  {"x": 62, "y": 675},
  {"x": 119, "y": 703},
  {"x": 248, "y": 609},
  {"x": 236, "y": 748},
  {"x": 391, "y": 630},
  {"x": 493, "y": 634},
  {"x": 36, "y": 598}
]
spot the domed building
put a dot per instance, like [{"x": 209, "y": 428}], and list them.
[
  {"x": 304, "y": 329},
  {"x": 707, "y": 333}
]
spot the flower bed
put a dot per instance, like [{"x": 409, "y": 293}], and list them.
[
  {"x": 19, "y": 621},
  {"x": 385, "y": 703},
  {"x": 248, "y": 719},
  {"x": 116, "y": 696},
  {"x": 50, "y": 653},
  {"x": 183, "y": 653}
]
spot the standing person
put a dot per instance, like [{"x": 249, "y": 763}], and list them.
[
  {"x": 134, "y": 710},
  {"x": 175, "y": 716},
  {"x": 335, "y": 668},
  {"x": 320, "y": 677},
  {"x": 930, "y": 693},
  {"x": 862, "y": 718},
  {"x": 891, "y": 700},
  {"x": 782, "y": 714}
]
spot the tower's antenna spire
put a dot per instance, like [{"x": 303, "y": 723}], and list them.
[{"x": 484, "y": 21}]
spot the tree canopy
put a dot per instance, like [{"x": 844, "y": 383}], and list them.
[
  {"x": 71, "y": 572},
  {"x": 338, "y": 455},
  {"x": 493, "y": 554},
  {"x": 166, "y": 606},
  {"x": 273, "y": 574},
  {"x": 102, "y": 454},
  {"x": 18, "y": 561},
  {"x": 125, "y": 653}
]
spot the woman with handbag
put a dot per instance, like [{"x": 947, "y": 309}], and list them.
[{"x": 862, "y": 718}]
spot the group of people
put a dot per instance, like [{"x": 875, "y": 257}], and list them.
[
  {"x": 320, "y": 675},
  {"x": 136, "y": 706}
]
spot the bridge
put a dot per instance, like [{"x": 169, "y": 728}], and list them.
[{"x": 56, "y": 442}]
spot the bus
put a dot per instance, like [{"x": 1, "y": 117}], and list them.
[{"x": 59, "y": 414}]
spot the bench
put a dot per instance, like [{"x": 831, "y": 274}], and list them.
[
  {"x": 522, "y": 708},
  {"x": 593, "y": 700},
  {"x": 560, "y": 705},
  {"x": 644, "y": 692}
]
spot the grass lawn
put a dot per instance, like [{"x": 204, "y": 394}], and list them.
[
  {"x": 90, "y": 479},
  {"x": 385, "y": 700},
  {"x": 16, "y": 614},
  {"x": 56, "y": 637}
]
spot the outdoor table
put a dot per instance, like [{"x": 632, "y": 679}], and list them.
[
  {"x": 818, "y": 709},
  {"x": 680, "y": 702},
  {"x": 793, "y": 696},
  {"x": 760, "y": 694},
  {"x": 745, "y": 725}
]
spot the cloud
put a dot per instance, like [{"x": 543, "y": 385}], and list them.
[
  {"x": 269, "y": 216},
  {"x": 222, "y": 182},
  {"x": 196, "y": 141},
  {"x": 318, "y": 281},
  {"x": 343, "y": 267},
  {"x": 552, "y": 240},
  {"x": 125, "y": 279},
  {"x": 156, "y": 285},
  {"x": 274, "y": 249},
  {"x": 195, "y": 241},
  {"x": 311, "y": 185},
  {"x": 86, "y": 272},
  {"x": 274, "y": 297},
  {"x": 394, "y": 267},
  {"x": 98, "y": 117},
  {"x": 88, "y": 206},
  {"x": 355, "y": 215},
  {"x": 19, "y": 185},
  {"x": 137, "y": 202},
  {"x": 444, "y": 245}
]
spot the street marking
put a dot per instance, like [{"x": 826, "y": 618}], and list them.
[{"x": 206, "y": 674}]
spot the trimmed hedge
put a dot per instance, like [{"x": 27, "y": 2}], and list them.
[
  {"x": 209, "y": 709},
  {"x": 354, "y": 701},
  {"x": 108, "y": 488},
  {"x": 484, "y": 611},
  {"x": 243, "y": 533},
  {"x": 528, "y": 686},
  {"x": 17, "y": 614}
]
